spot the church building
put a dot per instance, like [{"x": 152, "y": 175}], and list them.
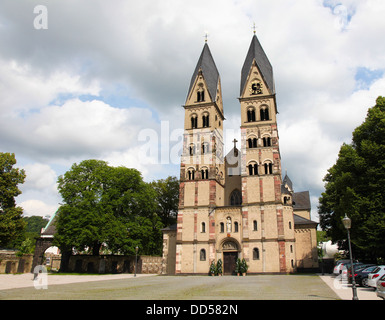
[{"x": 238, "y": 205}]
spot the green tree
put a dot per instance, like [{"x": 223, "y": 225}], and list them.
[
  {"x": 11, "y": 222},
  {"x": 354, "y": 185},
  {"x": 107, "y": 205},
  {"x": 167, "y": 199}
]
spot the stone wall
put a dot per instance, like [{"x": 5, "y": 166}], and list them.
[
  {"x": 10, "y": 263},
  {"x": 114, "y": 264}
]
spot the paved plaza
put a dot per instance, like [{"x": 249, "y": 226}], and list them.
[{"x": 153, "y": 287}]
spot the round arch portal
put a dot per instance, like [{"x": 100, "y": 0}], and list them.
[{"x": 230, "y": 248}]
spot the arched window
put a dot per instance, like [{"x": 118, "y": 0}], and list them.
[
  {"x": 267, "y": 142},
  {"x": 222, "y": 226},
  {"x": 236, "y": 227},
  {"x": 205, "y": 147},
  {"x": 255, "y": 254},
  {"x": 203, "y": 227},
  {"x": 255, "y": 225},
  {"x": 206, "y": 120},
  {"x": 194, "y": 121},
  {"x": 236, "y": 198},
  {"x": 290, "y": 225},
  {"x": 192, "y": 149},
  {"x": 268, "y": 168},
  {"x": 251, "y": 115},
  {"x": 253, "y": 143},
  {"x": 201, "y": 95},
  {"x": 204, "y": 173},
  {"x": 202, "y": 255},
  {"x": 191, "y": 174},
  {"x": 253, "y": 169},
  {"x": 264, "y": 113}
]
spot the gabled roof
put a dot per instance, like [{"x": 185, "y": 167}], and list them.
[
  {"x": 210, "y": 72},
  {"x": 50, "y": 228},
  {"x": 257, "y": 54}
]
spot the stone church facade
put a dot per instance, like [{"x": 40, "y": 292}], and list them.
[{"x": 238, "y": 205}]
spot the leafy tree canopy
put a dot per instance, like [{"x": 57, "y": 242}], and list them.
[
  {"x": 167, "y": 199},
  {"x": 355, "y": 186},
  {"x": 11, "y": 222},
  {"x": 110, "y": 206}
]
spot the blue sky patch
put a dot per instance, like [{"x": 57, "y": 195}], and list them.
[{"x": 365, "y": 77}]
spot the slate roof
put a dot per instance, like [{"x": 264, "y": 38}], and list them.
[
  {"x": 288, "y": 182},
  {"x": 210, "y": 72},
  {"x": 303, "y": 221},
  {"x": 256, "y": 53},
  {"x": 301, "y": 200}
]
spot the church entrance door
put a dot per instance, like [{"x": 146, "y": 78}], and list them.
[{"x": 229, "y": 259}]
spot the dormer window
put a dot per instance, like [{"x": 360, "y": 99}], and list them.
[{"x": 201, "y": 95}]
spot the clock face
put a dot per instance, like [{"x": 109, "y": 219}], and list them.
[{"x": 256, "y": 87}]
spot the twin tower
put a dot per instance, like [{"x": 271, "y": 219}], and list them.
[{"x": 236, "y": 206}]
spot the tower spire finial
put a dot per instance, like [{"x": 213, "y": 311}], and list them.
[
  {"x": 254, "y": 28},
  {"x": 206, "y": 36}
]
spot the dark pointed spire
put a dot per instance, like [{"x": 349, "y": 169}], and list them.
[
  {"x": 210, "y": 72},
  {"x": 256, "y": 53}
]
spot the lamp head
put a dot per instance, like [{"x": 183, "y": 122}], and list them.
[{"x": 347, "y": 222}]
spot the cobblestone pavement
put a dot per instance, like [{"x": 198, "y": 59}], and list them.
[{"x": 260, "y": 287}]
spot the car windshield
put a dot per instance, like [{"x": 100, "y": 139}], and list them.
[
  {"x": 370, "y": 269},
  {"x": 376, "y": 270}
]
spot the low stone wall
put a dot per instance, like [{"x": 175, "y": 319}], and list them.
[
  {"x": 114, "y": 264},
  {"x": 10, "y": 263}
]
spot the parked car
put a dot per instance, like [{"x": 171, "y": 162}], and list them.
[
  {"x": 345, "y": 268},
  {"x": 361, "y": 274},
  {"x": 339, "y": 264},
  {"x": 375, "y": 276},
  {"x": 381, "y": 287}
]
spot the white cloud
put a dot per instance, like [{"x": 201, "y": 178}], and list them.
[
  {"x": 39, "y": 177},
  {"x": 55, "y": 83},
  {"x": 37, "y": 208}
]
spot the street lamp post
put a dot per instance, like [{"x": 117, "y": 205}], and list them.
[
  {"x": 348, "y": 224},
  {"x": 136, "y": 259}
]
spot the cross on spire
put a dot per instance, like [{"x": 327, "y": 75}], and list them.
[{"x": 235, "y": 143}]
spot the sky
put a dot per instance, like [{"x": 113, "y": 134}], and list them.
[{"x": 106, "y": 80}]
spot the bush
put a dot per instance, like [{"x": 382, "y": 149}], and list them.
[
  {"x": 219, "y": 267},
  {"x": 243, "y": 266},
  {"x": 213, "y": 268}
]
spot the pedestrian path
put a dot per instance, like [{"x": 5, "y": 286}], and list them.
[
  {"x": 25, "y": 280},
  {"x": 344, "y": 290}
]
